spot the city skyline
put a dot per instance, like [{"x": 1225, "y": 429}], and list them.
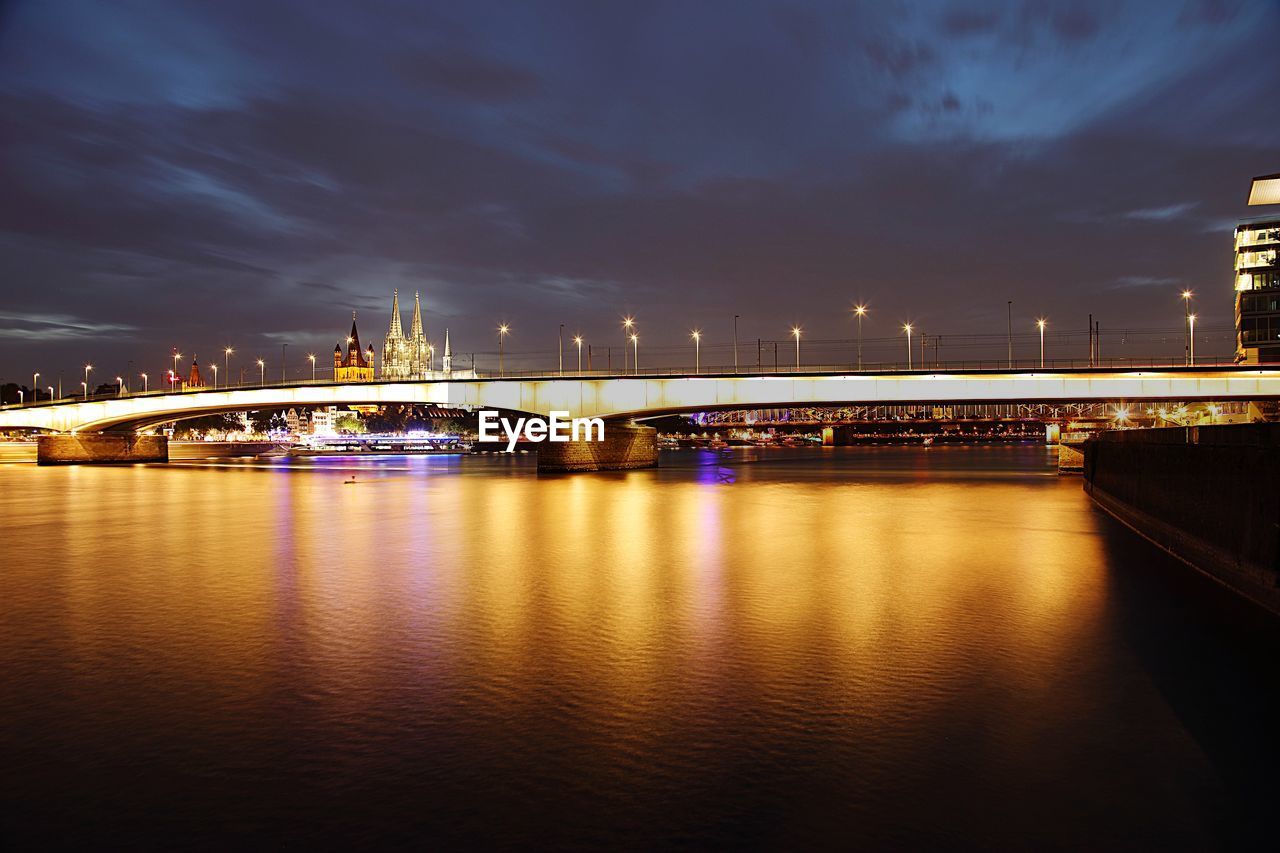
[{"x": 175, "y": 184}]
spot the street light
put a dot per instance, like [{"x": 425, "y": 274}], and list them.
[
  {"x": 35, "y": 387},
  {"x": 22, "y": 397},
  {"x": 1191, "y": 324},
  {"x": 1040, "y": 324},
  {"x": 85, "y": 386},
  {"x": 120, "y": 382},
  {"x": 577, "y": 339},
  {"x": 697, "y": 350},
  {"x": 503, "y": 331},
  {"x": 214, "y": 368},
  {"x": 49, "y": 388},
  {"x": 262, "y": 372},
  {"x": 906, "y": 327},
  {"x": 311, "y": 357},
  {"x": 860, "y": 311},
  {"x": 1186, "y": 327},
  {"x": 795, "y": 333},
  {"x": 635, "y": 358},
  {"x": 226, "y": 362},
  {"x": 627, "y": 323},
  {"x": 176, "y": 355},
  {"x": 144, "y": 383},
  {"x": 87, "y": 368}
]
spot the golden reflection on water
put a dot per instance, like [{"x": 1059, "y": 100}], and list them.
[{"x": 863, "y": 606}]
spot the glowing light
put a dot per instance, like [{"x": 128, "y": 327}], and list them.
[{"x": 860, "y": 310}]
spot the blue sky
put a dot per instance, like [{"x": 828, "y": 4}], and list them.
[{"x": 200, "y": 173}]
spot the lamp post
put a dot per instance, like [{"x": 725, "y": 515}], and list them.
[
  {"x": 176, "y": 355},
  {"x": 635, "y": 357},
  {"x": 503, "y": 330},
  {"x": 697, "y": 350},
  {"x": 22, "y": 397},
  {"x": 214, "y": 368},
  {"x": 577, "y": 339},
  {"x": 1040, "y": 324},
  {"x": 735, "y": 343},
  {"x": 562, "y": 349},
  {"x": 87, "y": 368},
  {"x": 906, "y": 327},
  {"x": 120, "y": 383},
  {"x": 283, "y": 361},
  {"x": 1191, "y": 326},
  {"x": 262, "y": 372},
  {"x": 49, "y": 388},
  {"x": 311, "y": 357},
  {"x": 627, "y": 323},
  {"x": 144, "y": 383},
  {"x": 1186, "y": 325},
  {"x": 1010, "y": 338},
  {"x": 85, "y": 386},
  {"x": 226, "y": 361},
  {"x": 860, "y": 311},
  {"x": 35, "y": 387},
  {"x": 795, "y": 333}
]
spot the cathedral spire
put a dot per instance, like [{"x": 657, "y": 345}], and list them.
[
  {"x": 447, "y": 361},
  {"x": 396, "y": 332},
  {"x": 416, "y": 332}
]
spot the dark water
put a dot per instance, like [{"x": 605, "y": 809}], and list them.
[{"x": 854, "y": 648}]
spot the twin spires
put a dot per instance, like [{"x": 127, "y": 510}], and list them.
[{"x": 406, "y": 356}]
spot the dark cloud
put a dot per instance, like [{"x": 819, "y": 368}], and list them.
[
  {"x": 469, "y": 77},
  {"x": 546, "y": 164}
]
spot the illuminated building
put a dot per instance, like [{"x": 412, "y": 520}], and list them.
[
  {"x": 193, "y": 376},
  {"x": 1257, "y": 278},
  {"x": 406, "y": 356},
  {"x": 353, "y": 365}
]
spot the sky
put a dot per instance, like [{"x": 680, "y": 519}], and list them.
[{"x": 203, "y": 174}]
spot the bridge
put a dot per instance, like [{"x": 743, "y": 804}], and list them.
[{"x": 623, "y": 399}]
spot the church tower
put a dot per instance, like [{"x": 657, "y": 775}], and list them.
[
  {"x": 354, "y": 366},
  {"x": 417, "y": 343},
  {"x": 447, "y": 361},
  {"x": 395, "y": 362}
]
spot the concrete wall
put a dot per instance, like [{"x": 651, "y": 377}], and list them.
[
  {"x": 624, "y": 446},
  {"x": 1207, "y": 495},
  {"x": 100, "y": 448}
]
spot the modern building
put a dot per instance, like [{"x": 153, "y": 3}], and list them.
[
  {"x": 1257, "y": 278},
  {"x": 406, "y": 356},
  {"x": 353, "y": 365}
]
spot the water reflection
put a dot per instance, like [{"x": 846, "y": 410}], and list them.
[{"x": 876, "y": 645}]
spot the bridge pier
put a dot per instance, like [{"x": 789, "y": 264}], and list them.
[
  {"x": 93, "y": 448},
  {"x": 626, "y": 445}
]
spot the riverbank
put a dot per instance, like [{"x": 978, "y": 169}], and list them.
[{"x": 1202, "y": 494}]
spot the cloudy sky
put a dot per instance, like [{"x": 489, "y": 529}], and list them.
[{"x": 195, "y": 174}]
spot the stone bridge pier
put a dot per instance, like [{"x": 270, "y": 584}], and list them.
[
  {"x": 100, "y": 448},
  {"x": 626, "y": 445}
]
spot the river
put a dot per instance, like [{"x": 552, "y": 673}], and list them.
[{"x": 918, "y": 647}]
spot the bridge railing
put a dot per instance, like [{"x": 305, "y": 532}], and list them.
[{"x": 746, "y": 371}]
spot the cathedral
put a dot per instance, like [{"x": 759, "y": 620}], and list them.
[
  {"x": 406, "y": 357},
  {"x": 353, "y": 365},
  {"x": 412, "y": 356}
]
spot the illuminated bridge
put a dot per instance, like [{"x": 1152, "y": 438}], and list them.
[{"x": 621, "y": 399}]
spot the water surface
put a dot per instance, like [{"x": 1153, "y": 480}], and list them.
[{"x": 760, "y": 648}]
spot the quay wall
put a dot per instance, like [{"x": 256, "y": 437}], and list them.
[{"x": 1204, "y": 494}]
